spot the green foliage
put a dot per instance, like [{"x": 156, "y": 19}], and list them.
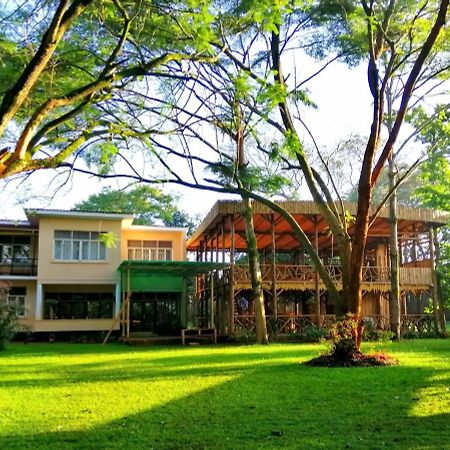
[
  {"x": 373, "y": 333},
  {"x": 343, "y": 338},
  {"x": 109, "y": 239},
  {"x": 311, "y": 332},
  {"x": 252, "y": 178},
  {"x": 9, "y": 324},
  {"x": 433, "y": 190},
  {"x": 149, "y": 205}
]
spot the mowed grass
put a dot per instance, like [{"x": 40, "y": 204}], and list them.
[{"x": 69, "y": 396}]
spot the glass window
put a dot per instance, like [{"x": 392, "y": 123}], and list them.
[
  {"x": 79, "y": 246},
  {"x": 76, "y": 305},
  {"x": 15, "y": 249},
  {"x": 150, "y": 250},
  {"x": 17, "y": 299}
]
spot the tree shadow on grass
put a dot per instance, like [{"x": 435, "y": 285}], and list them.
[{"x": 265, "y": 403}]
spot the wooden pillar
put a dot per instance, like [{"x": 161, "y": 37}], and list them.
[
  {"x": 211, "y": 301},
  {"x": 434, "y": 289},
  {"x": 274, "y": 268},
  {"x": 414, "y": 246},
  {"x": 223, "y": 289},
  {"x": 438, "y": 304},
  {"x": 129, "y": 302},
  {"x": 231, "y": 286},
  {"x": 211, "y": 249},
  {"x": 223, "y": 240},
  {"x": 317, "y": 293},
  {"x": 216, "y": 240}
]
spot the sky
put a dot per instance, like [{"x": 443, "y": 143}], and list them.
[{"x": 344, "y": 107}]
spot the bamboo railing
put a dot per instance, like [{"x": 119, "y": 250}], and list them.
[
  {"x": 285, "y": 273},
  {"x": 295, "y": 323}
]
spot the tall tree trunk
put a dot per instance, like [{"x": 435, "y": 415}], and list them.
[
  {"x": 255, "y": 274},
  {"x": 252, "y": 245},
  {"x": 394, "y": 296}
]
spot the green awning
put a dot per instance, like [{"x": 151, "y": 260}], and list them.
[{"x": 181, "y": 268}]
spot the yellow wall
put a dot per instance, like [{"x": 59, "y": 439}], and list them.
[
  {"x": 52, "y": 271},
  {"x": 177, "y": 237},
  {"x": 30, "y": 300},
  {"x": 74, "y": 325}
]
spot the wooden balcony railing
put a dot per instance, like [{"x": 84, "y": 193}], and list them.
[
  {"x": 421, "y": 276},
  {"x": 295, "y": 323}
]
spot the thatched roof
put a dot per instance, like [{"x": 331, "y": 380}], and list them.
[{"x": 305, "y": 212}]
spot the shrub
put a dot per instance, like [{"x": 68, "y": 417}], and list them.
[
  {"x": 310, "y": 332},
  {"x": 343, "y": 338},
  {"x": 9, "y": 325},
  {"x": 372, "y": 333}
]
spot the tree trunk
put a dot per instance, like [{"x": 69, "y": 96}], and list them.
[
  {"x": 255, "y": 274},
  {"x": 394, "y": 297}
]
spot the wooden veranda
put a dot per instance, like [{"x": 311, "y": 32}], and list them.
[{"x": 293, "y": 290}]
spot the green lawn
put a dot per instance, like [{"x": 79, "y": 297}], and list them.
[{"x": 87, "y": 396}]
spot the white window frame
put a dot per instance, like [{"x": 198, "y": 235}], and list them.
[
  {"x": 89, "y": 249},
  {"x": 154, "y": 253},
  {"x": 18, "y": 302}
]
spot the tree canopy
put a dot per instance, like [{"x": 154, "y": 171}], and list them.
[{"x": 150, "y": 205}]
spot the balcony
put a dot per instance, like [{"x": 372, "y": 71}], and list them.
[
  {"x": 19, "y": 267},
  {"x": 304, "y": 276}
]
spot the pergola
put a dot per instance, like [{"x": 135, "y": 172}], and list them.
[
  {"x": 221, "y": 237},
  {"x": 161, "y": 276}
]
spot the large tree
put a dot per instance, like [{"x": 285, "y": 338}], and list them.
[
  {"x": 150, "y": 205},
  {"x": 394, "y": 36},
  {"x": 67, "y": 86},
  {"x": 251, "y": 45}
]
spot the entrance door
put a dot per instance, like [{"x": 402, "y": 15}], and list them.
[{"x": 156, "y": 312}]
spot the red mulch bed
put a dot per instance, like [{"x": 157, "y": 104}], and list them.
[{"x": 357, "y": 359}]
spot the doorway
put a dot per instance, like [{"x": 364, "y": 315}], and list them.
[{"x": 155, "y": 312}]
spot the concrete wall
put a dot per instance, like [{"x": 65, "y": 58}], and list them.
[
  {"x": 53, "y": 271},
  {"x": 176, "y": 236}
]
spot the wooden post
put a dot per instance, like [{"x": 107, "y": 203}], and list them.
[
  {"x": 223, "y": 288},
  {"x": 128, "y": 303},
  {"x": 201, "y": 251},
  {"x": 223, "y": 240},
  {"x": 231, "y": 286},
  {"x": 122, "y": 309},
  {"x": 435, "y": 255},
  {"x": 434, "y": 290},
  {"x": 316, "y": 280},
  {"x": 211, "y": 249},
  {"x": 217, "y": 245},
  {"x": 274, "y": 269},
  {"x": 211, "y": 301},
  {"x": 414, "y": 246}
]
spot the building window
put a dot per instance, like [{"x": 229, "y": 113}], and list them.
[
  {"x": 150, "y": 250},
  {"x": 16, "y": 298},
  {"x": 79, "y": 246},
  {"x": 14, "y": 249},
  {"x": 78, "y": 305}
]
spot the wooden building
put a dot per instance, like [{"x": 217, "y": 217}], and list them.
[{"x": 292, "y": 288}]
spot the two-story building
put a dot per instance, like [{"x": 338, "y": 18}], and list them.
[
  {"x": 72, "y": 271},
  {"x": 63, "y": 271}
]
